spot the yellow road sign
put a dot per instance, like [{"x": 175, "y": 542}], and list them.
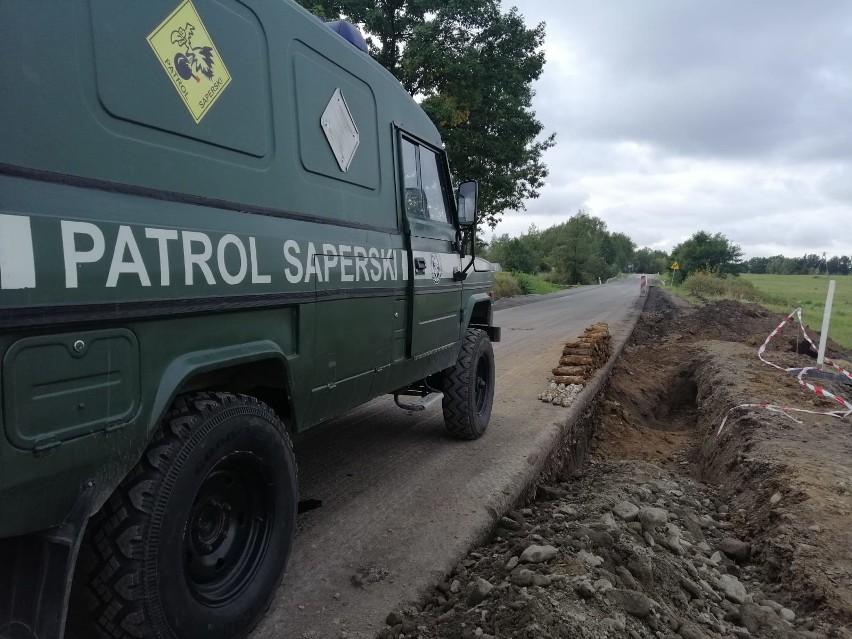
[
  {"x": 675, "y": 267},
  {"x": 190, "y": 59}
]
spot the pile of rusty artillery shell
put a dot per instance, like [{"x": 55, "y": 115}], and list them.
[{"x": 583, "y": 356}]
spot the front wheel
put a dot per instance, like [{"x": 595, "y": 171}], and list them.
[
  {"x": 194, "y": 541},
  {"x": 469, "y": 387}
]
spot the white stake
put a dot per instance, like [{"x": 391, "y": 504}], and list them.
[{"x": 826, "y": 317}]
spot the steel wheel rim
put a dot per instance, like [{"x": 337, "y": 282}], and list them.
[{"x": 228, "y": 530}]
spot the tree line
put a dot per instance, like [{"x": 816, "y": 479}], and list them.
[
  {"x": 582, "y": 250},
  {"x": 810, "y": 264}
]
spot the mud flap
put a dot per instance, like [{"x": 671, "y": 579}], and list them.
[{"x": 39, "y": 568}]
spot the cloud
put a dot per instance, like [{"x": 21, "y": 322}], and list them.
[{"x": 673, "y": 116}]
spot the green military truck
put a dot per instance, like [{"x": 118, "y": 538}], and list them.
[{"x": 221, "y": 223}]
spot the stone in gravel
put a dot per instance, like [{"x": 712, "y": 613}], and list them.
[
  {"x": 775, "y": 498},
  {"x": 522, "y": 578},
  {"x": 694, "y": 529},
  {"x": 549, "y": 493},
  {"x": 601, "y": 539},
  {"x": 691, "y": 587},
  {"x": 542, "y": 581},
  {"x": 603, "y": 586},
  {"x": 711, "y": 594},
  {"x": 672, "y": 543},
  {"x": 733, "y": 589},
  {"x": 626, "y": 578},
  {"x": 589, "y": 559},
  {"x": 510, "y": 565},
  {"x": 609, "y": 521},
  {"x": 568, "y": 511},
  {"x": 649, "y": 539},
  {"x": 584, "y": 590},
  {"x": 787, "y": 615},
  {"x": 652, "y": 518},
  {"x": 537, "y": 554},
  {"x": 393, "y": 618},
  {"x": 509, "y": 524},
  {"x": 642, "y": 572},
  {"x": 755, "y": 617},
  {"x": 716, "y": 558},
  {"x": 628, "y": 511},
  {"x": 481, "y": 589},
  {"x": 617, "y": 623},
  {"x": 634, "y": 603},
  {"x": 455, "y": 587},
  {"x": 737, "y": 550}
]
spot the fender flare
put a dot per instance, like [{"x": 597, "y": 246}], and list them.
[
  {"x": 479, "y": 321},
  {"x": 189, "y": 365}
]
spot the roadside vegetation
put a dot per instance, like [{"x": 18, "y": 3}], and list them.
[
  {"x": 514, "y": 284},
  {"x": 781, "y": 294}
]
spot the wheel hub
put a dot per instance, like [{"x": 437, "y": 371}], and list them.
[{"x": 210, "y": 526}]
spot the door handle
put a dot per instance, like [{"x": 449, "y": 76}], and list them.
[{"x": 419, "y": 265}]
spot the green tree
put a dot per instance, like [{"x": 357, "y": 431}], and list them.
[
  {"x": 389, "y": 24},
  {"x": 472, "y": 66},
  {"x": 646, "y": 260},
  {"x": 705, "y": 252},
  {"x": 519, "y": 257},
  {"x": 617, "y": 250},
  {"x": 757, "y": 265},
  {"x": 475, "y": 66},
  {"x": 576, "y": 251}
]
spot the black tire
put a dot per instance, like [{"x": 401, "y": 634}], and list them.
[
  {"x": 469, "y": 387},
  {"x": 195, "y": 540}
]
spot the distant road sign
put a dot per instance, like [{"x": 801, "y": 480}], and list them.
[{"x": 674, "y": 267}]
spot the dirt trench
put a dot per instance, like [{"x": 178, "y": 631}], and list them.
[{"x": 667, "y": 529}]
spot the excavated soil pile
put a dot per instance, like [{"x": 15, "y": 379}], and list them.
[{"x": 670, "y": 530}]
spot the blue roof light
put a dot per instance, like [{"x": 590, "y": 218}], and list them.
[{"x": 350, "y": 33}]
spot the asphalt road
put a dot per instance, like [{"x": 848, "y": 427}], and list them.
[{"x": 401, "y": 502}]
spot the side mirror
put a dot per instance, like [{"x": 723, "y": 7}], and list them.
[{"x": 467, "y": 202}]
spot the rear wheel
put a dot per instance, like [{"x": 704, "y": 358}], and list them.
[
  {"x": 197, "y": 536},
  {"x": 469, "y": 387}
]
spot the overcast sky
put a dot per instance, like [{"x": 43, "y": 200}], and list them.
[{"x": 673, "y": 116}]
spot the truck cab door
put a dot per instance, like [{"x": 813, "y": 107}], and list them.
[{"x": 435, "y": 295}]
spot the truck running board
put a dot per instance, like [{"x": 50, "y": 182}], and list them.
[{"x": 428, "y": 401}]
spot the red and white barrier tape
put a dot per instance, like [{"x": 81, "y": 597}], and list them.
[{"x": 786, "y": 410}]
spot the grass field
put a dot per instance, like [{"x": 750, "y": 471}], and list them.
[{"x": 783, "y": 293}]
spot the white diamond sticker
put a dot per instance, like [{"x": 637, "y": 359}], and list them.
[{"x": 340, "y": 130}]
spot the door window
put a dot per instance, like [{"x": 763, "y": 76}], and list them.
[
  {"x": 433, "y": 186},
  {"x": 425, "y": 189}
]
